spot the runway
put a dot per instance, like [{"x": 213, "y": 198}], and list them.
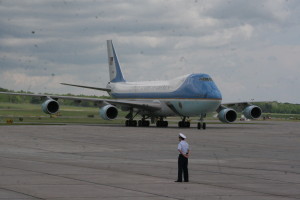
[{"x": 228, "y": 161}]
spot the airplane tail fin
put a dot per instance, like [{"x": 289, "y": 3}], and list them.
[{"x": 115, "y": 71}]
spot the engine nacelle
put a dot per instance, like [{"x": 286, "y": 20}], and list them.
[
  {"x": 50, "y": 106},
  {"x": 227, "y": 115},
  {"x": 252, "y": 112},
  {"x": 108, "y": 112}
]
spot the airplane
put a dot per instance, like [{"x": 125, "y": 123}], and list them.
[{"x": 185, "y": 96}]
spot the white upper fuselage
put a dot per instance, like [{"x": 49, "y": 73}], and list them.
[{"x": 147, "y": 86}]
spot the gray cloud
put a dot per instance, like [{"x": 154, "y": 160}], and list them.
[
  {"x": 254, "y": 11},
  {"x": 249, "y": 47}
]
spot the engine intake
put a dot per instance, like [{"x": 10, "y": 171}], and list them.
[
  {"x": 227, "y": 115},
  {"x": 50, "y": 106},
  {"x": 108, "y": 112},
  {"x": 252, "y": 112}
]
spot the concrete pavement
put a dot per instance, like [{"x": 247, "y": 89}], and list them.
[{"x": 235, "y": 161}]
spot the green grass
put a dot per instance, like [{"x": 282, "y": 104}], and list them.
[
  {"x": 33, "y": 114},
  {"x": 280, "y": 116}
]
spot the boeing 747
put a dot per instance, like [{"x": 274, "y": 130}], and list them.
[{"x": 186, "y": 96}]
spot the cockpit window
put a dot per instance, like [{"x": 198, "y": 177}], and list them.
[{"x": 205, "y": 79}]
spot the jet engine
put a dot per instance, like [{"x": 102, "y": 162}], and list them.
[
  {"x": 252, "y": 112},
  {"x": 108, "y": 112},
  {"x": 227, "y": 115},
  {"x": 50, "y": 106}
]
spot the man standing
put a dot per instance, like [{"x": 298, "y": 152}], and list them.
[{"x": 183, "y": 148}]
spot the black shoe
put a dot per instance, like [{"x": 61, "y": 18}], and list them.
[
  {"x": 178, "y": 181},
  {"x": 186, "y": 181}
]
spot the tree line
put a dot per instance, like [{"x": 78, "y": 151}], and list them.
[
  {"x": 37, "y": 100},
  {"x": 267, "y": 107},
  {"x": 276, "y": 107}
]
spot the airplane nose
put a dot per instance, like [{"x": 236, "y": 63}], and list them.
[
  {"x": 217, "y": 94},
  {"x": 213, "y": 92}
]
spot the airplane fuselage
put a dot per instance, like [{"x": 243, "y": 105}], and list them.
[{"x": 189, "y": 95}]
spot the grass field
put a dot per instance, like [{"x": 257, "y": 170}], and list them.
[{"x": 32, "y": 114}]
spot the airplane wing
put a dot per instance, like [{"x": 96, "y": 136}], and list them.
[
  {"x": 238, "y": 105},
  {"x": 241, "y": 104},
  {"x": 227, "y": 111},
  {"x": 88, "y": 87},
  {"x": 147, "y": 105}
]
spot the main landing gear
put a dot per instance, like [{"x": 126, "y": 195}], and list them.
[
  {"x": 140, "y": 123},
  {"x": 184, "y": 124},
  {"x": 143, "y": 123},
  {"x": 133, "y": 123},
  {"x": 162, "y": 123}
]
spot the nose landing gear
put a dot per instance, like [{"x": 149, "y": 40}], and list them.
[{"x": 202, "y": 124}]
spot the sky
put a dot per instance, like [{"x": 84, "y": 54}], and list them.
[{"x": 251, "y": 49}]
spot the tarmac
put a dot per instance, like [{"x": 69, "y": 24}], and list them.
[{"x": 252, "y": 160}]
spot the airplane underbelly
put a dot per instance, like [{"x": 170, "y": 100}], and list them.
[{"x": 193, "y": 107}]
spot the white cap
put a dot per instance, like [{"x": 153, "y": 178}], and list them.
[{"x": 182, "y": 136}]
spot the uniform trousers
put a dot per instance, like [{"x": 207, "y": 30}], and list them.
[{"x": 183, "y": 168}]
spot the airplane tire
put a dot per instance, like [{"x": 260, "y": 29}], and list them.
[
  {"x": 165, "y": 123},
  {"x": 184, "y": 124},
  {"x": 158, "y": 124},
  {"x": 162, "y": 123},
  {"x": 134, "y": 123},
  {"x": 187, "y": 124},
  {"x": 180, "y": 124},
  {"x": 199, "y": 125},
  {"x": 204, "y": 126},
  {"x": 143, "y": 123}
]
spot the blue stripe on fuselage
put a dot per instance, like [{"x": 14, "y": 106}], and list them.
[{"x": 196, "y": 86}]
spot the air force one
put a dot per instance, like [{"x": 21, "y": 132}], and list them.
[{"x": 186, "y": 96}]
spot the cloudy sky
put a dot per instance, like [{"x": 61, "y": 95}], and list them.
[{"x": 250, "y": 48}]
